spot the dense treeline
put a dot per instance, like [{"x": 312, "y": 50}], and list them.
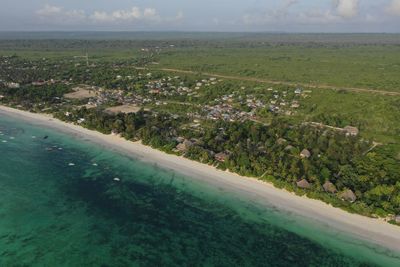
[
  {"x": 46, "y": 96},
  {"x": 271, "y": 153},
  {"x": 100, "y": 73},
  {"x": 98, "y": 41}
]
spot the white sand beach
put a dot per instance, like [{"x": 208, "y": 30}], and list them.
[{"x": 372, "y": 230}]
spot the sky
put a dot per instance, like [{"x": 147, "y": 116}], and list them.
[{"x": 201, "y": 15}]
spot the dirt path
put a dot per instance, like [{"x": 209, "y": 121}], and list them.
[{"x": 250, "y": 79}]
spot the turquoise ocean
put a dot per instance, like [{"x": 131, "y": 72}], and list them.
[{"x": 65, "y": 201}]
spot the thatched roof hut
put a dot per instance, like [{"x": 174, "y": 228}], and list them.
[
  {"x": 348, "y": 195},
  {"x": 305, "y": 154},
  {"x": 329, "y": 187},
  {"x": 351, "y": 131},
  {"x": 221, "y": 157},
  {"x": 304, "y": 184},
  {"x": 184, "y": 146}
]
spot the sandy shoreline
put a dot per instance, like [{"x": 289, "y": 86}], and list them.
[{"x": 368, "y": 229}]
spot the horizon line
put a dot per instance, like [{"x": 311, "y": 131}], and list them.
[{"x": 188, "y": 31}]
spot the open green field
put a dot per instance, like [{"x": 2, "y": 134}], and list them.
[
  {"x": 375, "y": 115},
  {"x": 344, "y": 60},
  {"x": 363, "y": 66}
]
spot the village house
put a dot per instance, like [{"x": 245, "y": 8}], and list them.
[
  {"x": 304, "y": 184},
  {"x": 295, "y": 104},
  {"x": 13, "y": 85},
  {"x": 298, "y": 91},
  {"x": 329, "y": 187},
  {"x": 184, "y": 146},
  {"x": 305, "y": 154},
  {"x": 39, "y": 83},
  {"x": 351, "y": 131},
  {"x": 348, "y": 195},
  {"x": 221, "y": 157}
]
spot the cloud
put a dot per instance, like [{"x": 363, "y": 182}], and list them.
[
  {"x": 346, "y": 8},
  {"x": 133, "y": 14},
  {"x": 49, "y": 10},
  {"x": 59, "y": 15},
  {"x": 259, "y": 17},
  {"x": 284, "y": 15},
  {"x": 394, "y": 8},
  {"x": 317, "y": 17},
  {"x": 341, "y": 11}
]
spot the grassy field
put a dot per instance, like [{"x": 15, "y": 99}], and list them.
[
  {"x": 375, "y": 115},
  {"x": 364, "y": 66}
]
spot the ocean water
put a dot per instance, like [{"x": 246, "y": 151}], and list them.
[{"x": 65, "y": 201}]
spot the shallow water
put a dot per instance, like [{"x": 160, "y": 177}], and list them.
[{"x": 61, "y": 205}]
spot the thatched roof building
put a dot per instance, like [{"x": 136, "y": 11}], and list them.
[
  {"x": 329, "y": 187},
  {"x": 351, "y": 131},
  {"x": 305, "y": 154},
  {"x": 184, "y": 146},
  {"x": 221, "y": 157},
  {"x": 304, "y": 184},
  {"x": 348, "y": 195}
]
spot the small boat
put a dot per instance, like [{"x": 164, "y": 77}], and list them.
[
  {"x": 46, "y": 137},
  {"x": 94, "y": 164},
  {"x": 4, "y": 141},
  {"x": 117, "y": 179},
  {"x": 71, "y": 164}
]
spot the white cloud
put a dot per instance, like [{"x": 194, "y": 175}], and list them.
[
  {"x": 394, "y": 8},
  {"x": 132, "y": 15},
  {"x": 259, "y": 17},
  {"x": 346, "y": 8},
  {"x": 59, "y": 15},
  {"x": 49, "y": 10},
  {"x": 285, "y": 15},
  {"x": 118, "y": 15},
  {"x": 317, "y": 17}
]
